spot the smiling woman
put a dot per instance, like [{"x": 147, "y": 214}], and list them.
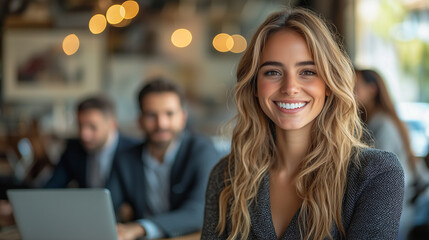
[{"x": 297, "y": 167}]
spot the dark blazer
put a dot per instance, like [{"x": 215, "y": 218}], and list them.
[
  {"x": 73, "y": 163},
  {"x": 371, "y": 208},
  {"x": 188, "y": 180}
]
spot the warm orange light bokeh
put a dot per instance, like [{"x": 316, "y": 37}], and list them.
[
  {"x": 240, "y": 43},
  {"x": 70, "y": 44},
  {"x": 223, "y": 42},
  {"x": 181, "y": 38},
  {"x": 131, "y": 9},
  {"x": 115, "y": 14},
  {"x": 97, "y": 24}
]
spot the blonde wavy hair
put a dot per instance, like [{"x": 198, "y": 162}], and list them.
[{"x": 336, "y": 134}]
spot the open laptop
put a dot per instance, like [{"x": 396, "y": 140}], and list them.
[{"x": 52, "y": 214}]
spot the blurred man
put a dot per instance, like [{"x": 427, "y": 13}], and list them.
[
  {"x": 164, "y": 179},
  {"x": 88, "y": 160}
]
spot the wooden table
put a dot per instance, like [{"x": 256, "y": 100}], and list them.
[{"x": 193, "y": 236}]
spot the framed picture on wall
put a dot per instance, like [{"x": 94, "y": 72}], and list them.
[{"x": 36, "y": 66}]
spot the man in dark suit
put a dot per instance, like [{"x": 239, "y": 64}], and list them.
[
  {"x": 88, "y": 160},
  {"x": 164, "y": 179}
]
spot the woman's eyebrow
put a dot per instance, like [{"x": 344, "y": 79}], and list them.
[
  {"x": 271, "y": 63},
  {"x": 279, "y": 64},
  {"x": 305, "y": 63}
]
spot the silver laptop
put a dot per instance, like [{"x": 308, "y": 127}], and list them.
[{"x": 53, "y": 214}]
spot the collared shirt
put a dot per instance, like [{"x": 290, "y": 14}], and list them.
[
  {"x": 100, "y": 163},
  {"x": 157, "y": 183}
]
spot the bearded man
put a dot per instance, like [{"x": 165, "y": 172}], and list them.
[{"x": 164, "y": 179}]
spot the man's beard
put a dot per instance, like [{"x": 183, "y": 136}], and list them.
[
  {"x": 162, "y": 144},
  {"x": 93, "y": 148}
]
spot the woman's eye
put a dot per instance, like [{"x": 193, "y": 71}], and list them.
[
  {"x": 272, "y": 73},
  {"x": 308, "y": 73}
]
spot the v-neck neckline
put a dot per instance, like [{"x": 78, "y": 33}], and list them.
[{"x": 261, "y": 214}]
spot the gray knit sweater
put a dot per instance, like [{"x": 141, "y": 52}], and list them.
[{"x": 372, "y": 202}]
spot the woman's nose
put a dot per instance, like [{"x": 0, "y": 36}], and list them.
[{"x": 290, "y": 85}]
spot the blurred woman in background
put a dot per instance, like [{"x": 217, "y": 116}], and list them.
[
  {"x": 388, "y": 133},
  {"x": 378, "y": 113}
]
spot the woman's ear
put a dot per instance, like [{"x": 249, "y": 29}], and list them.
[{"x": 328, "y": 92}]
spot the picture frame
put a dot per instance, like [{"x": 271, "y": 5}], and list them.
[{"x": 36, "y": 67}]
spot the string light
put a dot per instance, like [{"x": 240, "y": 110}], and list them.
[
  {"x": 97, "y": 24},
  {"x": 115, "y": 14},
  {"x": 131, "y": 9},
  {"x": 240, "y": 43},
  {"x": 181, "y": 38},
  {"x": 223, "y": 42},
  {"x": 70, "y": 44}
]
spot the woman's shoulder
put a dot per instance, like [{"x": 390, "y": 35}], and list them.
[
  {"x": 382, "y": 122},
  {"x": 382, "y": 160},
  {"x": 372, "y": 162},
  {"x": 374, "y": 195},
  {"x": 380, "y": 118},
  {"x": 217, "y": 174},
  {"x": 220, "y": 167}
]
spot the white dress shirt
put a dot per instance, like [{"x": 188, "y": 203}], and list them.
[
  {"x": 157, "y": 183},
  {"x": 100, "y": 163}
]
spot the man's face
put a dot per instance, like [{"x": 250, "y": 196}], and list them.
[
  {"x": 162, "y": 118},
  {"x": 94, "y": 128}
]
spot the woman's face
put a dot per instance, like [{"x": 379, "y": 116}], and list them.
[
  {"x": 290, "y": 91},
  {"x": 365, "y": 92}
]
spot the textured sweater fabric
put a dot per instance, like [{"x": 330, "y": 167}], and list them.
[{"x": 371, "y": 209}]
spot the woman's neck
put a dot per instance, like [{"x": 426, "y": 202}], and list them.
[
  {"x": 370, "y": 110},
  {"x": 292, "y": 147}
]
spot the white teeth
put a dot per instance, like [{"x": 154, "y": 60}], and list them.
[{"x": 291, "y": 105}]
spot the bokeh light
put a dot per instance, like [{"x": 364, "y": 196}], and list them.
[
  {"x": 223, "y": 42},
  {"x": 115, "y": 14},
  {"x": 97, "y": 24},
  {"x": 181, "y": 38},
  {"x": 123, "y": 23},
  {"x": 240, "y": 43},
  {"x": 70, "y": 44},
  {"x": 131, "y": 9}
]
